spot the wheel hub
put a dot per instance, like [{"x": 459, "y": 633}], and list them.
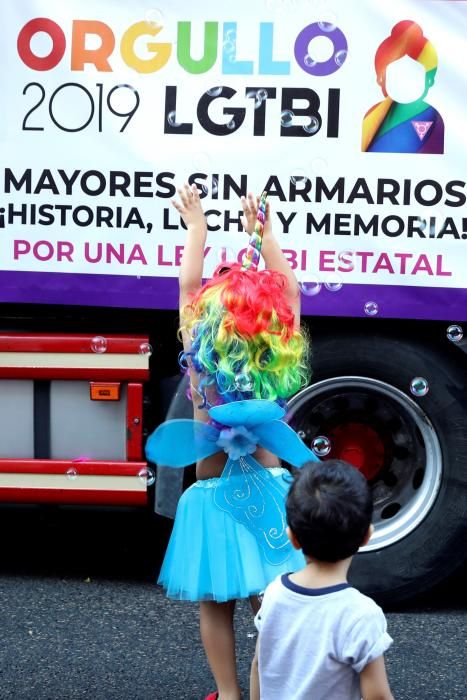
[
  {"x": 359, "y": 444},
  {"x": 387, "y": 436}
]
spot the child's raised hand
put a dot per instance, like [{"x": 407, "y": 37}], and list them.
[
  {"x": 250, "y": 211},
  {"x": 189, "y": 207}
]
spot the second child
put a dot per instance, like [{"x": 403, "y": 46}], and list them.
[{"x": 319, "y": 637}]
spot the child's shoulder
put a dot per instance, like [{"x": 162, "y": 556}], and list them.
[
  {"x": 362, "y": 608},
  {"x": 349, "y": 598},
  {"x": 273, "y": 593},
  {"x": 363, "y": 601},
  {"x": 274, "y": 588}
]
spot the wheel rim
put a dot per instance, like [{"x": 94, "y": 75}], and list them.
[{"x": 361, "y": 415}]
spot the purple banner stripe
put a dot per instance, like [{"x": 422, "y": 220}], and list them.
[
  {"x": 162, "y": 293},
  {"x": 425, "y": 303}
]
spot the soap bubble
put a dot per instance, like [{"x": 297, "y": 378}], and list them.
[
  {"x": 214, "y": 187},
  {"x": 326, "y": 26},
  {"x": 145, "y": 349},
  {"x": 214, "y": 91},
  {"x": 310, "y": 286},
  {"x": 201, "y": 161},
  {"x": 253, "y": 95},
  {"x": 347, "y": 257},
  {"x": 298, "y": 176},
  {"x": 455, "y": 333},
  {"x": 147, "y": 476},
  {"x": 371, "y": 308},
  {"x": 420, "y": 221},
  {"x": 333, "y": 283},
  {"x": 340, "y": 57},
  {"x": 231, "y": 35},
  {"x": 262, "y": 94},
  {"x": 301, "y": 434},
  {"x": 319, "y": 165},
  {"x": 244, "y": 381},
  {"x": 231, "y": 124},
  {"x": 72, "y": 473},
  {"x": 172, "y": 119},
  {"x": 99, "y": 344},
  {"x": 122, "y": 98},
  {"x": 419, "y": 386},
  {"x": 312, "y": 127},
  {"x": 229, "y": 47},
  {"x": 321, "y": 446},
  {"x": 309, "y": 61},
  {"x": 154, "y": 17},
  {"x": 287, "y": 118}
]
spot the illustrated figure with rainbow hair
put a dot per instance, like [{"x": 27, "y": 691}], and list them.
[
  {"x": 413, "y": 127},
  {"x": 245, "y": 355}
]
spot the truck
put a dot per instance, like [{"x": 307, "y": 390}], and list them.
[{"x": 352, "y": 118}]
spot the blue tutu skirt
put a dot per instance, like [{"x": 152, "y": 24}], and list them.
[{"x": 211, "y": 556}]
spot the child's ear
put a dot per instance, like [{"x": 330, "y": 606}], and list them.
[
  {"x": 293, "y": 539},
  {"x": 368, "y": 535}
]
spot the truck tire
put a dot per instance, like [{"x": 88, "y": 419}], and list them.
[{"x": 408, "y": 438}]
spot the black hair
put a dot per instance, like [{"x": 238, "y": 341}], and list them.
[{"x": 329, "y": 509}]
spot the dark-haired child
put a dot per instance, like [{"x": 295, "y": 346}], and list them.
[{"x": 319, "y": 637}]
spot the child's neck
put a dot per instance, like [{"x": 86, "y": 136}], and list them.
[{"x": 321, "y": 574}]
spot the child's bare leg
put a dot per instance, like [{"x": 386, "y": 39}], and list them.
[{"x": 217, "y": 633}]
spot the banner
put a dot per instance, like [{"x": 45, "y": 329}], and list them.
[{"x": 350, "y": 115}]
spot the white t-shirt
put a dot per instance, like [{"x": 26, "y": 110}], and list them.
[{"x": 313, "y": 643}]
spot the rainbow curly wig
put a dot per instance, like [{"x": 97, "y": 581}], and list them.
[{"x": 243, "y": 336}]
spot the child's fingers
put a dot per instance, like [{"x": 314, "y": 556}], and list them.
[
  {"x": 245, "y": 207},
  {"x": 268, "y": 211},
  {"x": 195, "y": 193},
  {"x": 188, "y": 192},
  {"x": 251, "y": 201},
  {"x": 176, "y": 205},
  {"x": 183, "y": 196}
]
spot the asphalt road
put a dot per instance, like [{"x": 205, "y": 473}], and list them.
[{"x": 80, "y": 617}]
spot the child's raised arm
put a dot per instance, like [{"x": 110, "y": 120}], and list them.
[
  {"x": 271, "y": 251},
  {"x": 191, "y": 268}
]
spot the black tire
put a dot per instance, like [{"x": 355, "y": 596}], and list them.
[{"x": 436, "y": 547}]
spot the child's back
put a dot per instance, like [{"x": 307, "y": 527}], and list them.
[
  {"x": 319, "y": 638},
  {"x": 316, "y": 641}
]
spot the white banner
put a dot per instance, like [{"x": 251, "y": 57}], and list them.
[{"x": 351, "y": 116}]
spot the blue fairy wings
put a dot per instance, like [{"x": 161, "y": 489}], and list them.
[{"x": 180, "y": 442}]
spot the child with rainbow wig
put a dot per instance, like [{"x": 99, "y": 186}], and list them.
[{"x": 245, "y": 355}]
